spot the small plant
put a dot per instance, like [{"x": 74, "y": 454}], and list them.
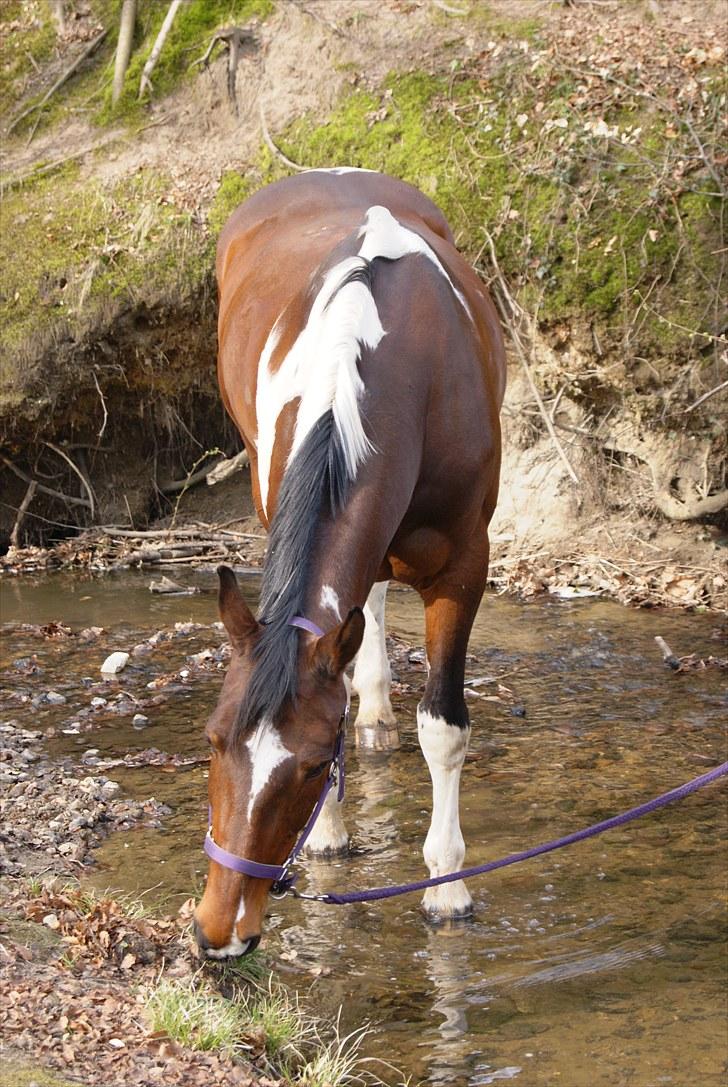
[{"x": 196, "y": 1017}]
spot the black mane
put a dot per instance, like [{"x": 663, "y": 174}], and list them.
[{"x": 315, "y": 485}]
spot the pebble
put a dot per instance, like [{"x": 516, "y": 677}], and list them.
[
  {"x": 97, "y": 702},
  {"x": 114, "y": 663},
  {"x": 110, "y": 788},
  {"x": 139, "y": 721},
  {"x": 55, "y": 699}
]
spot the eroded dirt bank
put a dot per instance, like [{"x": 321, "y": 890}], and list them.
[{"x": 580, "y": 177}]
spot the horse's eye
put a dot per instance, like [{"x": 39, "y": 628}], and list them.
[{"x": 315, "y": 771}]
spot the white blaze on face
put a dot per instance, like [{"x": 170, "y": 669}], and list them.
[{"x": 267, "y": 752}]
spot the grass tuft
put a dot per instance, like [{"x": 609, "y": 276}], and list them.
[{"x": 196, "y": 1017}]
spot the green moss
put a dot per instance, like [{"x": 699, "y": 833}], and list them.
[
  {"x": 187, "y": 40},
  {"x": 66, "y": 247},
  {"x": 577, "y": 227},
  {"x": 16, "y": 1073},
  {"x": 232, "y": 191},
  {"x": 26, "y": 31}
]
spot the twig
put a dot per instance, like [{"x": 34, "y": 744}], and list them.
[
  {"x": 701, "y": 399},
  {"x": 103, "y": 405},
  {"x": 272, "y": 147},
  {"x": 74, "y": 468},
  {"x": 61, "y": 80},
  {"x": 516, "y": 311},
  {"x": 320, "y": 19},
  {"x": 145, "y": 82},
  {"x": 22, "y": 509},
  {"x": 69, "y": 499},
  {"x": 228, "y": 467},
  {"x": 667, "y": 654}
]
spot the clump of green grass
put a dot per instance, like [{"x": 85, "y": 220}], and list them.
[
  {"x": 26, "y": 31},
  {"x": 196, "y": 1017},
  {"x": 269, "y": 1021}
]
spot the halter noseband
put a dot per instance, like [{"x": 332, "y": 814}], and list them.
[{"x": 282, "y": 881}]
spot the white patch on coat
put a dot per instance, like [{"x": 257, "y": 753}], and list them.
[
  {"x": 321, "y": 369},
  {"x": 384, "y": 236},
  {"x": 444, "y": 747},
  {"x": 330, "y": 599},
  {"x": 267, "y": 752},
  {"x": 341, "y": 170},
  {"x": 372, "y": 676},
  {"x": 241, "y": 910}
]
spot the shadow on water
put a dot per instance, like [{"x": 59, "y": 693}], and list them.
[{"x": 604, "y": 964}]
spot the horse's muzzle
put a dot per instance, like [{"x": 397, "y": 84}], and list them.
[{"x": 235, "y": 948}]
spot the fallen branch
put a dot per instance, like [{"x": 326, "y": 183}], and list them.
[
  {"x": 272, "y": 147},
  {"x": 22, "y": 509},
  {"x": 103, "y": 405},
  {"x": 189, "y": 481},
  {"x": 74, "y": 468},
  {"x": 227, "y": 468},
  {"x": 667, "y": 654},
  {"x": 706, "y": 396},
  {"x": 69, "y": 499},
  {"x": 517, "y": 313},
  {"x": 61, "y": 80},
  {"x": 234, "y": 37},
  {"x": 145, "y": 82}
]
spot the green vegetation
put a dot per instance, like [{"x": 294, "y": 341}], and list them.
[
  {"x": 68, "y": 246},
  {"x": 259, "y": 1020},
  {"x": 19, "y": 1074},
  {"x": 195, "y": 22},
  {"x": 27, "y": 35},
  {"x": 583, "y": 223},
  {"x": 196, "y": 1017}
]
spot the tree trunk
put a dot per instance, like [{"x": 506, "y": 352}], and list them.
[
  {"x": 123, "y": 48},
  {"x": 145, "y": 83}
]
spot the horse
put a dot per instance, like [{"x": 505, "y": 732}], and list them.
[{"x": 362, "y": 361}]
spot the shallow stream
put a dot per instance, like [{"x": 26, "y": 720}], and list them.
[{"x": 600, "y": 965}]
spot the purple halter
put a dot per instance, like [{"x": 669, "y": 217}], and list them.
[{"x": 282, "y": 881}]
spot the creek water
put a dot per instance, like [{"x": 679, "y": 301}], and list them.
[{"x": 603, "y": 964}]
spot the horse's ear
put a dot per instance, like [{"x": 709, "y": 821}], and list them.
[
  {"x": 238, "y": 619},
  {"x": 336, "y": 649}
]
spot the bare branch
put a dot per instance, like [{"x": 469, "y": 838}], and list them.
[
  {"x": 15, "y": 534},
  {"x": 145, "y": 81},
  {"x": 272, "y": 147},
  {"x": 61, "y": 80},
  {"x": 74, "y": 468},
  {"x": 69, "y": 499}
]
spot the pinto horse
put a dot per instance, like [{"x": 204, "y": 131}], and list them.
[{"x": 363, "y": 364}]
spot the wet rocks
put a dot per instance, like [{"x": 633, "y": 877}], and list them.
[
  {"x": 139, "y": 721},
  {"x": 114, "y": 663},
  {"x": 49, "y": 814}
]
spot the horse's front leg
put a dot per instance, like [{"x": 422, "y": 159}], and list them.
[
  {"x": 329, "y": 837},
  {"x": 376, "y": 725},
  {"x": 443, "y": 728}
]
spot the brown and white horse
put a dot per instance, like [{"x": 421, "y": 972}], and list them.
[{"x": 363, "y": 363}]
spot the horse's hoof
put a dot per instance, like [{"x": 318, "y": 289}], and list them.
[
  {"x": 448, "y": 902},
  {"x": 377, "y": 737},
  {"x": 327, "y": 852}
]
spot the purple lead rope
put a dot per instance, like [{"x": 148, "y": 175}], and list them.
[{"x": 378, "y": 893}]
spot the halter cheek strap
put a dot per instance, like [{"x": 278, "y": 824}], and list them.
[{"x": 282, "y": 881}]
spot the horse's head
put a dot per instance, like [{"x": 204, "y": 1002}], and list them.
[{"x": 266, "y": 777}]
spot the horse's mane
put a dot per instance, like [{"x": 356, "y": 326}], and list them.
[{"x": 315, "y": 485}]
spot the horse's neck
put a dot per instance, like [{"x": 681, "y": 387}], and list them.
[{"x": 348, "y": 555}]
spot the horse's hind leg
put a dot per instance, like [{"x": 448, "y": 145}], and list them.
[
  {"x": 376, "y": 726},
  {"x": 443, "y": 726}
]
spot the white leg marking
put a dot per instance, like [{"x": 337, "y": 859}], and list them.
[
  {"x": 329, "y": 833},
  {"x": 372, "y": 676},
  {"x": 444, "y": 748},
  {"x": 267, "y": 751},
  {"x": 330, "y": 599}
]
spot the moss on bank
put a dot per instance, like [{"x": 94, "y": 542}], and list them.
[{"x": 581, "y": 226}]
